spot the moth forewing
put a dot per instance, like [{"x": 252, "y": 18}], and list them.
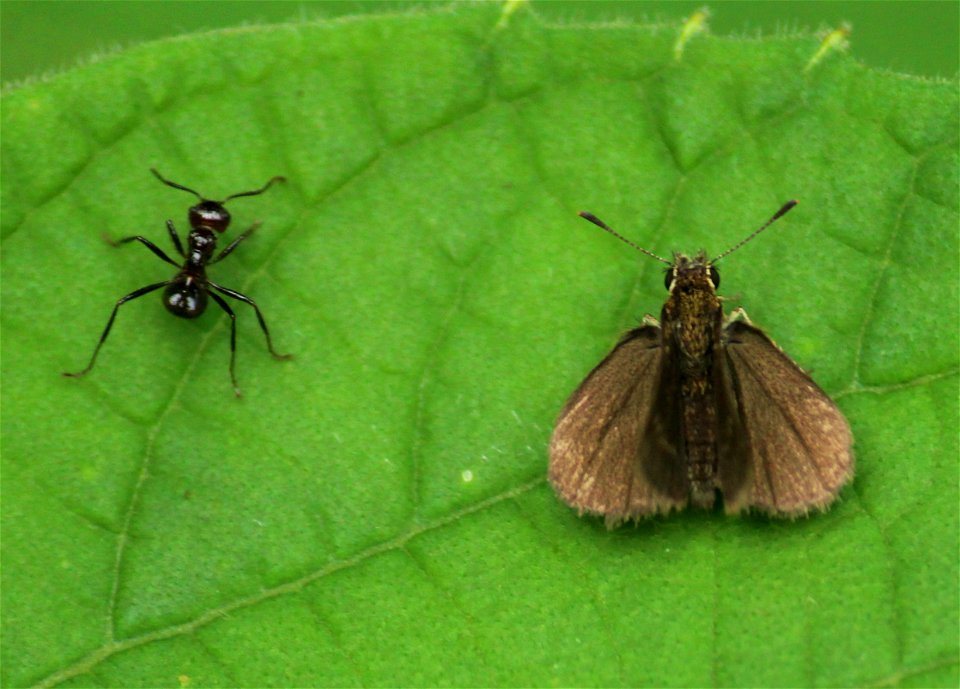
[
  {"x": 798, "y": 443},
  {"x": 735, "y": 471},
  {"x": 608, "y": 438}
]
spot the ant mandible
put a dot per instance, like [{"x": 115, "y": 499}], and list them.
[{"x": 186, "y": 294}]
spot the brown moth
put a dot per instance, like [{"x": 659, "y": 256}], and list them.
[{"x": 695, "y": 404}]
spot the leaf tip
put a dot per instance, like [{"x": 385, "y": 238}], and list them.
[
  {"x": 508, "y": 10},
  {"x": 834, "y": 41},
  {"x": 694, "y": 24}
]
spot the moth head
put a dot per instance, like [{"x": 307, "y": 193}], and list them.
[{"x": 687, "y": 273}]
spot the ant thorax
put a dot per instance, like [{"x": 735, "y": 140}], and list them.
[{"x": 201, "y": 242}]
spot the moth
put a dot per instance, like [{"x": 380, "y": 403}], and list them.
[{"x": 696, "y": 408}]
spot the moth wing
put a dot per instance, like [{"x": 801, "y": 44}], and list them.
[
  {"x": 797, "y": 440},
  {"x": 613, "y": 451}
]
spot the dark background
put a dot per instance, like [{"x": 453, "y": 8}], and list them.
[{"x": 37, "y": 37}]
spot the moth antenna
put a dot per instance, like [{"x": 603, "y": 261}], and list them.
[
  {"x": 174, "y": 184},
  {"x": 255, "y": 192},
  {"x": 776, "y": 216},
  {"x": 602, "y": 225}
]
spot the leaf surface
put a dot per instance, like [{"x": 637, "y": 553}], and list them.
[{"x": 374, "y": 512}]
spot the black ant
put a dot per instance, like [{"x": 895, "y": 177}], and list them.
[{"x": 186, "y": 294}]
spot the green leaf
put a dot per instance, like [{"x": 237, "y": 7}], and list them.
[{"x": 374, "y": 512}]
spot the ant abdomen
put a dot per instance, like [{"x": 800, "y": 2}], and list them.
[{"x": 184, "y": 298}]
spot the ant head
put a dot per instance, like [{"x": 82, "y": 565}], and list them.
[{"x": 210, "y": 214}]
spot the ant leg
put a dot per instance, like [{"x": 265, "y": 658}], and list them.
[
  {"x": 263, "y": 324},
  {"x": 106, "y": 331},
  {"x": 233, "y": 338},
  {"x": 147, "y": 243},
  {"x": 233, "y": 245},
  {"x": 175, "y": 238}
]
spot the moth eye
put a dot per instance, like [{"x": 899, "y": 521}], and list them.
[
  {"x": 714, "y": 277},
  {"x": 668, "y": 278}
]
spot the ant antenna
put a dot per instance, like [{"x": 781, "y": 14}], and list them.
[
  {"x": 599, "y": 223},
  {"x": 255, "y": 192},
  {"x": 175, "y": 185},
  {"x": 776, "y": 216},
  {"x": 262, "y": 189}
]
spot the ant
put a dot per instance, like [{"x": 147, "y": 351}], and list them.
[{"x": 185, "y": 295}]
